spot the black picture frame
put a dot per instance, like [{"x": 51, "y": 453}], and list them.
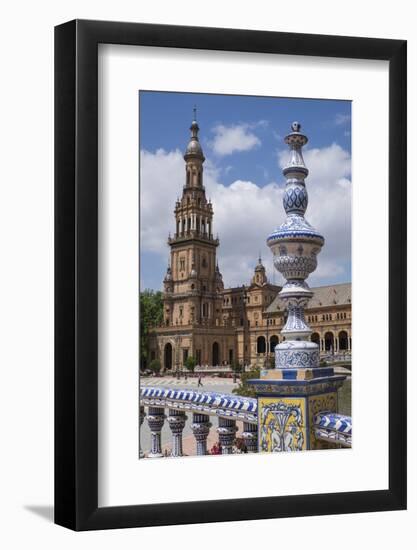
[{"x": 76, "y": 272}]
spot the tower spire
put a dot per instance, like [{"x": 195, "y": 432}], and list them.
[{"x": 194, "y": 150}]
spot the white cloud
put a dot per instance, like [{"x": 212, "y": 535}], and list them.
[
  {"x": 243, "y": 216},
  {"x": 341, "y": 119},
  {"x": 236, "y": 138},
  {"x": 245, "y": 213},
  {"x": 162, "y": 177}
]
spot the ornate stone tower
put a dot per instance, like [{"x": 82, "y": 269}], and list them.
[{"x": 193, "y": 282}]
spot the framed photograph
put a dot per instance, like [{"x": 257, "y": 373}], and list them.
[{"x": 230, "y": 275}]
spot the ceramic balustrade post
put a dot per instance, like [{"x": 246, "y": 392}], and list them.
[
  {"x": 142, "y": 415},
  {"x": 176, "y": 421},
  {"x": 201, "y": 427},
  {"x": 227, "y": 433},
  {"x": 250, "y": 437},
  {"x": 156, "y": 418}
]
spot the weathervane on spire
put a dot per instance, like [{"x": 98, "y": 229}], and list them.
[{"x": 195, "y": 113}]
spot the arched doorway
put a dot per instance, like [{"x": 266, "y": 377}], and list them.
[
  {"x": 260, "y": 345},
  {"x": 329, "y": 341},
  {"x": 343, "y": 340},
  {"x": 273, "y": 342},
  {"x": 315, "y": 337},
  {"x": 168, "y": 356},
  {"x": 215, "y": 354}
]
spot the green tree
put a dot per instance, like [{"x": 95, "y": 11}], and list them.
[
  {"x": 151, "y": 315},
  {"x": 155, "y": 366},
  {"x": 190, "y": 363},
  {"x": 244, "y": 388}
]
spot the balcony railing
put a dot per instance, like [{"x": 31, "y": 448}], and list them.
[{"x": 193, "y": 234}]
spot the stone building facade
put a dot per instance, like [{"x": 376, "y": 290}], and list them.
[{"x": 222, "y": 326}]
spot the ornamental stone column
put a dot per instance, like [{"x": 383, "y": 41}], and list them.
[
  {"x": 142, "y": 415},
  {"x": 156, "y": 418},
  {"x": 250, "y": 437},
  {"x": 227, "y": 433},
  {"x": 298, "y": 388},
  {"x": 176, "y": 421},
  {"x": 201, "y": 427}
]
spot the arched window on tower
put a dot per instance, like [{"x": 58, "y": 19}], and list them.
[{"x": 188, "y": 177}]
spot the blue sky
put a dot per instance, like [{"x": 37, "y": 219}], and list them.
[{"x": 242, "y": 139}]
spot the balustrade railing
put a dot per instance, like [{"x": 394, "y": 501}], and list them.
[{"x": 327, "y": 426}]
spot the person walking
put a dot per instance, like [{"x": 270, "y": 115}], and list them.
[{"x": 199, "y": 383}]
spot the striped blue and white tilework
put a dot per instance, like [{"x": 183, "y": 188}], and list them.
[
  {"x": 170, "y": 382},
  {"x": 212, "y": 399},
  {"x": 333, "y": 421}
]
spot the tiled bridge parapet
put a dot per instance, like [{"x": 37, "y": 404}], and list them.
[
  {"x": 334, "y": 428},
  {"x": 212, "y": 403},
  {"x": 328, "y": 426}
]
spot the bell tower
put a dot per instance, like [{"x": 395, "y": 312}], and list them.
[
  {"x": 259, "y": 278},
  {"x": 193, "y": 293}
]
